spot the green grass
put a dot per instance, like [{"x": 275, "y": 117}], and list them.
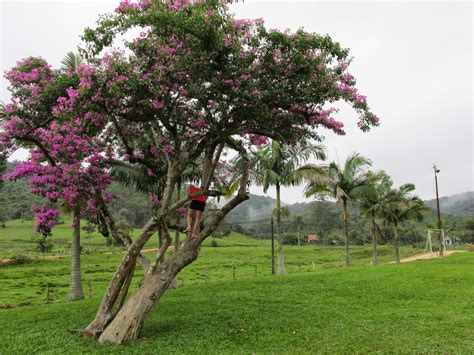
[
  {"x": 420, "y": 307},
  {"x": 26, "y": 284},
  {"x": 321, "y": 306},
  {"x": 17, "y": 238}
]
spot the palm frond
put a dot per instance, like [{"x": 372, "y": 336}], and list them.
[
  {"x": 72, "y": 61},
  {"x": 134, "y": 177}
]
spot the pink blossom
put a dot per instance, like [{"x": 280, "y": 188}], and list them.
[
  {"x": 154, "y": 199},
  {"x": 168, "y": 149},
  {"x": 157, "y": 104}
]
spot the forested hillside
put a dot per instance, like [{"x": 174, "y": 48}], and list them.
[
  {"x": 460, "y": 204},
  {"x": 253, "y": 216}
]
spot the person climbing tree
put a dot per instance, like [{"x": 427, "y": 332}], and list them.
[{"x": 195, "y": 210}]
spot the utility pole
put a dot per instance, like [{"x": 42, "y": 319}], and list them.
[
  {"x": 273, "y": 249},
  {"x": 441, "y": 239}
]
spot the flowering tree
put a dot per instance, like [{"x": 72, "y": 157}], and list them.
[
  {"x": 64, "y": 164},
  {"x": 193, "y": 85}
]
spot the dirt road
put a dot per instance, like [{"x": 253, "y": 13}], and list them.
[{"x": 425, "y": 256}]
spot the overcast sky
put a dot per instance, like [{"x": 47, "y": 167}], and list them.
[{"x": 413, "y": 60}]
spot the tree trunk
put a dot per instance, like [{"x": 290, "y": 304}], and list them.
[
  {"x": 281, "y": 256},
  {"x": 174, "y": 283},
  {"x": 375, "y": 260},
  {"x": 126, "y": 321},
  {"x": 75, "y": 290},
  {"x": 105, "y": 312},
  {"x": 129, "y": 321},
  {"x": 346, "y": 236},
  {"x": 397, "y": 243}
]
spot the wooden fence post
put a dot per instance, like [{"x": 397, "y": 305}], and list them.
[
  {"x": 233, "y": 273},
  {"x": 89, "y": 285},
  {"x": 48, "y": 295}
]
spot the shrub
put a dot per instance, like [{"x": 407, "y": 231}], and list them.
[
  {"x": 221, "y": 232},
  {"x": 214, "y": 243},
  {"x": 44, "y": 245},
  {"x": 20, "y": 260}
]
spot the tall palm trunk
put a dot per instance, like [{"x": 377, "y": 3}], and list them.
[
  {"x": 75, "y": 290},
  {"x": 397, "y": 243},
  {"x": 375, "y": 260},
  {"x": 346, "y": 235},
  {"x": 281, "y": 257}
]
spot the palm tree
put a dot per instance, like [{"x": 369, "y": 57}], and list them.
[
  {"x": 275, "y": 165},
  {"x": 75, "y": 286},
  {"x": 347, "y": 183},
  {"x": 402, "y": 205},
  {"x": 372, "y": 204},
  {"x": 297, "y": 224},
  {"x": 72, "y": 61}
]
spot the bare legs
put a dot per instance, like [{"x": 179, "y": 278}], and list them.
[{"x": 189, "y": 222}]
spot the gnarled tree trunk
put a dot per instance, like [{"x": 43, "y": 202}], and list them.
[
  {"x": 120, "y": 323},
  {"x": 129, "y": 321}
]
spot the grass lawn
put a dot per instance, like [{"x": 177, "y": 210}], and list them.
[
  {"x": 23, "y": 285},
  {"x": 419, "y": 307}
]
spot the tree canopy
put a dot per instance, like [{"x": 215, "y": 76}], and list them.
[{"x": 195, "y": 83}]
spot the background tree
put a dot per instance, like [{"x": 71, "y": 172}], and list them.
[
  {"x": 373, "y": 203},
  {"x": 401, "y": 205},
  {"x": 345, "y": 184},
  {"x": 298, "y": 224},
  {"x": 275, "y": 165}
]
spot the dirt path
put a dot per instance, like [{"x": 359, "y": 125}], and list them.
[{"x": 425, "y": 256}]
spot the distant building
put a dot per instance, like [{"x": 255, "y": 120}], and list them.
[
  {"x": 451, "y": 240},
  {"x": 313, "y": 238}
]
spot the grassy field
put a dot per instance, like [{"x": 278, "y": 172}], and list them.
[
  {"x": 419, "y": 307},
  {"x": 24, "y": 285},
  {"x": 320, "y": 306},
  {"x": 17, "y": 238}
]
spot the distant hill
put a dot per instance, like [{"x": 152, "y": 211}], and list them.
[
  {"x": 260, "y": 207},
  {"x": 460, "y": 204}
]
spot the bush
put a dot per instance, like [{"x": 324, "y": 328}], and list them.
[
  {"x": 291, "y": 239},
  {"x": 222, "y": 232},
  {"x": 112, "y": 242},
  {"x": 214, "y": 243},
  {"x": 44, "y": 245},
  {"x": 238, "y": 228},
  {"x": 19, "y": 260}
]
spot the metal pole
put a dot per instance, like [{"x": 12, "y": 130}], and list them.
[
  {"x": 273, "y": 249},
  {"x": 441, "y": 239}
]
